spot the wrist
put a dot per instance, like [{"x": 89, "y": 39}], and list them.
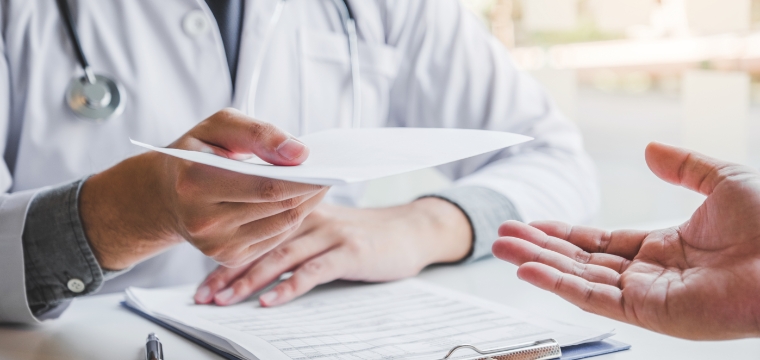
[
  {"x": 121, "y": 212},
  {"x": 445, "y": 234}
]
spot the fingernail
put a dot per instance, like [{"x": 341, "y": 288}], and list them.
[
  {"x": 291, "y": 149},
  {"x": 202, "y": 294},
  {"x": 224, "y": 296},
  {"x": 268, "y": 298}
]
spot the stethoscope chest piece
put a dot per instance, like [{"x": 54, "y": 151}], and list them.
[
  {"x": 90, "y": 97},
  {"x": 99, "y": 100}
]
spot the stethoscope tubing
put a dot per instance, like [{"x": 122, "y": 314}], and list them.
[
  {"x": 74, "y": 89},
  {"x": 68, "y": 21}
]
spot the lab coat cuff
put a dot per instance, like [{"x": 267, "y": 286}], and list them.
[
  {"x": 485, "y": 209},
  {"x": 58, "y": 260},
  {"x": 14, "y": 307}
]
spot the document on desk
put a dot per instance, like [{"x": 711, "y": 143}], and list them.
[
  {"x": 342, "y": 156},
  {"x": 409, "y": 319}
]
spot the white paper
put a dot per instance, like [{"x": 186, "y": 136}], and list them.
[
  {"x": 343, "y": 156},
  {"x": 408, "y": 319}
]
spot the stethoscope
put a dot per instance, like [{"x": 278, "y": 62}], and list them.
[
  {"x": 97, "y": 97},
  {"x": 90, "y": 97}
]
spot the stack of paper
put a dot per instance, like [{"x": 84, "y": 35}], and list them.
[
  {"x": 408, "y": 319},
  {"x": 343, "y": 156}
]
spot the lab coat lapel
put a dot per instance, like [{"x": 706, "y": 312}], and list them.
[{"x": 256, "y": 20}]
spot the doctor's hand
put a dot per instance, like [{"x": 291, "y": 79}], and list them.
[
  {"x": 699, "y": 280},
  {"x": 351, "y": 244},
  {"x": 152, "y": 201}
]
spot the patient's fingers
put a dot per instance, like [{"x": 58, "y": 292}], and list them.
[
  {"x": 593, "y": 297},
  {"x": 518, "y": 252},
  {"x": 625, "y": 243},
  {"x": 538, "y": 237}
]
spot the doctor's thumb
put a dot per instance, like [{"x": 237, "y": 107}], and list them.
[{"x": 239, "y": 136}]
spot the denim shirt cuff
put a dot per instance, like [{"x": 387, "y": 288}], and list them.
[{"x": 58, "y": 261}]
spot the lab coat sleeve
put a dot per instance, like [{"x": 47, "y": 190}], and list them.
[
  {"x": 13, "y": 305},
  {"x": 455, "y": 74},
  {"x": 16, "y": 226}
]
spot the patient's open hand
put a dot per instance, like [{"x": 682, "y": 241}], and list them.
[{"x": 699, "y": 280}]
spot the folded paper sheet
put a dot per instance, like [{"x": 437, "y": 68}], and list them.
[{"x": 343, "y": 156}]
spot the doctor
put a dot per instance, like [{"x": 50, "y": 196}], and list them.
[{"x": 84, "y": 210}]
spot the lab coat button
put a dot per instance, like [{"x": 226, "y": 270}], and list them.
[
  {"x": 75, "y": 285},
  {"x": 196, "y": 23}
]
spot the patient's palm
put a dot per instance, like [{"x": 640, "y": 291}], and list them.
[
  {"x": 689, "y": 274},
  {"x": 700, "y": 280}
]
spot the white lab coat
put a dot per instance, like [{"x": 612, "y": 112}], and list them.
[{"x": 424, "y": 63}]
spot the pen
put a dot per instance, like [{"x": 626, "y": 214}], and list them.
[{"x": 153, "y": 348}]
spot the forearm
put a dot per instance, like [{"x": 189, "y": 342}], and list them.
[
  {"x": 67, "y": 255},
  {"x": 74, "y": 238},
  {"x": 460, "y": 223},
  {"x": 483, "y": 209},
  {"x": 110, "y": 205},
  {"x": 445, "y": 234}
]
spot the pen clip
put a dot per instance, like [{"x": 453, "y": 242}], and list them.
[{"x": 536, "y": 350}]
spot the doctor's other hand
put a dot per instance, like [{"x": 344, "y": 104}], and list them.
[
  {"x": 152, "y": 201},
  {"x": 699, "y": 280},
  {"x": 351, "y": 244}
]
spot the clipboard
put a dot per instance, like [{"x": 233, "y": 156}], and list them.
[
  {"x": 573, "y": 352},
  {"x": 537, "y": 350}
]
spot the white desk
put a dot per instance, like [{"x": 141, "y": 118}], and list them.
[{"x": 99, "y": 328}]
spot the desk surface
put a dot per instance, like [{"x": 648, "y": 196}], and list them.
[{"x": 98, "y": 327}]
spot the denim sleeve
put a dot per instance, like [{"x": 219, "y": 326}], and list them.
[
  {"x": 485, "y": 209},
  {"x": 58, "y": 262}
]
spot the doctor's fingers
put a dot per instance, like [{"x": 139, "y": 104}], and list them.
[
  {"x": 601, "y": 299},
  {"x": 519, "y": 252},
  {"x": 238, "y": 214},
  {"x": 625, "y": 243},
  {"x": 332, "y": 265},
  {"x": 261, "y": 236},
  {"x": 203, "y": 221},
  {"x": 236, "y": 133},
  {"x": 268, "y": 268},
  {"x": 209, "y": 184},
  {"x": 249, "y": 241}
]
